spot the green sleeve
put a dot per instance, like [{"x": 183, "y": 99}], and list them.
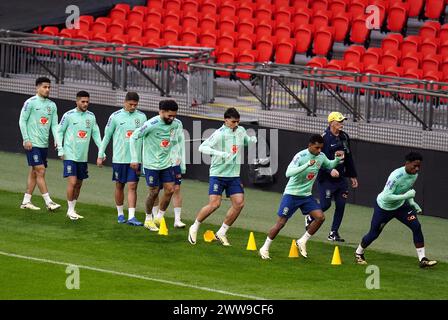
[
  {"x": 54, "y": 128},
  {"x": 207, "y": 147},
  {"x": 414, "y": 205},
  {"x": 330, "y": 164},
  {"x": 388, "y": 195},
  {"x": 96, "y": 135},
  {"x": 108, "y": 132},
  {"x": 23, "y": 119},
  {"x": 181, "y": 142},
  {"x": 61, "y": 132},
  {"x": 135, "y": 144}
]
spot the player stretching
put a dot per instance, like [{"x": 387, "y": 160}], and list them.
[
  {"x": 159, "y": 134},
  {"x": 75, "y": 130},
  {"x": 302, "y": 172},
  {"x": 397, "y": 201},
  {"x": 38, "y": 115},
  {"x": 120, "y": 126},
  {"x": 225, "y": 145}
]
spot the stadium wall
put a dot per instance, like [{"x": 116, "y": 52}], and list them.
[{"x": 374, "y": 161}]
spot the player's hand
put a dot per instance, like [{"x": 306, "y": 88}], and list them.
[
  {"x": 61, "y": 157},
  {"x": 99, "y": 162},
  {"x": 334, "y": 173},
  {"x": 410, "y": 194},
  {"x": 311, "y": 163},
  {"x": 28, "y": 145},
  {"x": 339, "y": 154},
  {"x": 354, "y": 183},
  {"x": 134, "y": 166},
  {"x": 253, "y": 139}
]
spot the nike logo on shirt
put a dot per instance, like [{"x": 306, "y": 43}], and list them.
[
  {"x": 332, "y": 145},
  {"x": 75, "y": 123},
  {"x": 122, "y": 123}
]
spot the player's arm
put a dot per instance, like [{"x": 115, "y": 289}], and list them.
[
  {"x": 135, "y": 143},
  {"x": 96, "y": 135},
  {"x": 295, "y": 167},
  {"x": 326, "y": 150},
  {"x": 54, "y": 128},
  {"x": 249, "y": 139},
  {"x": 208, "y": 146},
  {"x": 331, "y": 164},
  {"x": 62, "y": 127},
  {"x": 108, "y": 133},
  {"x": 23, "y": 120},
  {"x": 390, "y": 189},
  {"x": 181, "y": 142},
  {"x": 414, "y": 205}
]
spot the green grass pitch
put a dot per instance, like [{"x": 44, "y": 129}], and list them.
[{"x": 124, "y": 262}]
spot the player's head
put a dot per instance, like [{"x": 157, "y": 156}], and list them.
[
  {"x": 315, "y": 144},
  {"x": 82, "y": 100},
  {"x": 336, "y": 121},
  {"x": 413, "y": 162},
  {"x": 168, "y": 110},
  {"x": 231, "y": 118},
  {"x": 43, "y": 85},
  {"x": 131, "y": 101}
]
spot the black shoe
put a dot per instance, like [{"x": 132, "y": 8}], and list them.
[
  {"x": 334, "y": 236},
  {"x": 308, "y": 220},
  {"x": 425, "y": 262},
  {"x": 360, "y": 259}
]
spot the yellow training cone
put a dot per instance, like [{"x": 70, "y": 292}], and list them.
[
  {"x": 293, "y": 252},
  {"x": 209, "y": 236},
  {"x": 336, "y": 257},
  {"x": 163, "y": 230},
  {"x": 251, "y": 243}
]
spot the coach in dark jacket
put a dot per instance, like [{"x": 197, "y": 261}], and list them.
[{"x": 333, "y": 183}]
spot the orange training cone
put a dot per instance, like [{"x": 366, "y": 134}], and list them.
[
  {"x": 163, "y": 230},
  {"x": 293, "y": 252},
  {"x": 251, "y": 243},
  {"x": 209, "y": 236},
  {"x": 336, "y": 257}
]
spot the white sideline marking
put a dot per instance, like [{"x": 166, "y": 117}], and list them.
[{"x": 130, "y": 275}]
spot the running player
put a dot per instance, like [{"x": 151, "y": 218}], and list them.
[
  {"x": 75, "y": 130},
  {"x": 302, "y": 172},
  {"x": 397, "y": 201},
  {"x": 120, "y": 126},
  {"x": 38, "y": 115},
  {"x": 225, "y": 146}
]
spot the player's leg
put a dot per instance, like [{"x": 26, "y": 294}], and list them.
[
  {"x": 149, "y": 219},
  {"x": 287, "y": 208},
  {"x": 380, "y": 218},
  {"x": 213, "y": 203},
  {"x": 237, "y": 200},
  {"x": 119, "y": 200},
  {"x": 30, "y": 185},
  {"x": 132, "y": 182},
  {"x": 40, "y": 171},
  {"x": 408, "y": 217},
  {"x": 177, "y": 204},
  {"x": 340, "y": 198},
  {"x": 71, "y": 200},
  {"x": 152, "y": 181},
  {"x": 167, "y": 178},
  {"x": 308, "y": 205},
  {"x": 325, "y": 195}
]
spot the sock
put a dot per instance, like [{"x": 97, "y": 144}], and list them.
[
  {"x": 223, "y": 229},
  {"x": 26, "y": 198},
  {"x": 177, "y": 212},
  {"x": 267, "y": 243},
  {"x": 149, "y": 217},
  {"x": 160, "y": 214},
  {"x": 360, "y": 250},
  {"x": 155, "y": 210},
  {"x": 420, "y": 253},
  {"x": 74, "y": 203},
  {"x": 46, "y": 197},
  {"x": 120, "y": 210},
  {"x": 131, "y": 213},
  {"x": 305, "y": 237},
  {"x": 196, "y": 225},
  {"x": 71, "y": 206}
]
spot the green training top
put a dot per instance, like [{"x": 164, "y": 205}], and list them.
[
  {"x": 301, "y": 176},
  {"x": 158, "y": 139},
  {"x": 75, "y": 130},
  {"x": 394, "y": 194},
  {"x": 120, "y": 126},
  {"x": 178, "y": 151},
  {"x": 38, "y": 115},
  {"x": 225, "y": 146}
]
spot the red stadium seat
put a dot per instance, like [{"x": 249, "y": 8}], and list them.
[
  {"x": 227, "y": 24},
  {"x": 118, "y": 12},
  {"x": 317, "y": 62},
  {"x": 392, "y": 42},
  {"x": 434, "y": 8},
  {"x": 302, "y": 16},
  {"x": 172, "y": 5},
  {"x": 357, "y": 7},
  {"x": 354, "y": 54},
  {"x": 209, "y": 7},
  {"x": 208, "y": 39},
  {"x": 190, "y": 6},
  {"x": 208, "y": 21},
  {"x": 335, "y": 64},
  {"x": 228, "y": 8},
  {"x": 319, "y": 5},
  {"x": 264, "y": 28},
  {"x": 390, "y": 58},
  {"x": 154, "y": 15},
  {"x": 265, "y": 48},
  {"x": 263, "y": 12},
  {"x": 359, "y": 32},
  {"x": 189, "y": 34},
  {"x": 283, "y": 14},
  {"x": 323, "y": 41},
  {"x": 246, "y": 56},
  {"x": 172, "y": 18},
  {"x": 153, "y": 30},
  {"x": 429, "y": 29},
  {"x": 431, "y": 62},
  {"x": 341, "y": 23},
  {"x": 410, "y": 44},
  {"x": 415, "y": 7},
  {"x": 135, "y": 30},
  {"x": 429, "y": 45},
  {"x": 154, "y": 4},
  {"x": 190, "y": 19},
  {"x": 411, "y": 59},
  {"x": 338, "y": 6},
  {"x": 117, "y": 27},
  {"x": 372, "y": 56},
  {"x": 246, "y": 26},
  {"x": 397, "y": 16},
  {"x": 284, "y": 52},
  {"x": 283, "y": 30},
  {"x": 304, "y": 36},
  {"x": 245, "y": 41},
  {"x": 100, "y": 25},
  {"x": 85, "y": 22},
  {"x": 443, "y": 49},
  {"x": 171, "y": 33},
  {"x": 443, "y": 33},
  {"x": 225, "y": 56},
  {"x": 321, "y": 19},
  {"x": 137, "y": 13},
  {"x": 245, "y": 10},
  {"x": 226, "y": 40}
]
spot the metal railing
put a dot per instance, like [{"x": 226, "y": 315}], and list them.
[
  {"x": 162, "y": 70},
  {"x": 367, "y": 97}
]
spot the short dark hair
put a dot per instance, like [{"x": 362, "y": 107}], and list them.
[
  {"x": 412, "y": 156},
  {"x": 82, "y": 94},
  {"x": 231, "y": 113},
  {"x": 316, "y": 138},
  {"x": 168, "y": 105},
  {"x": 132, "y": 96},
  {"x": 41, "y": 80}
]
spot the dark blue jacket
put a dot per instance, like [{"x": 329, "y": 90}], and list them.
[{"x": 332, "y": 144}]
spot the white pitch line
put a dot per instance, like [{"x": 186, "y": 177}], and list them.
[{"x": 130, "y": 275}]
